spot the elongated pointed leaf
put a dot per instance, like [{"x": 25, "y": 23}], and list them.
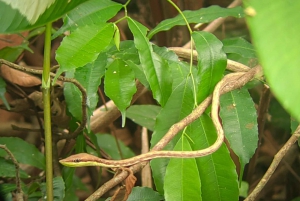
[
  {"x": 239, "y": 46},
  {"x": 240, "y": 124},
  {"x": 119, "y": 85},
  {"x": 24, "y": 153},
  {"x": 217, "y": 171},
  {"x": 211, "y": 62},
  {"x": 83, "y": 46},
  {"x": 182, "y": 174},
  {"x": 203, "y": 15},
  {"x": 170, "y": 114},
  {"x": 155, "y": 68},
  {"x": 277, "y": 47},
  {"x": 16, "y": 16},
  {"x": 90, "y": 12},
  {"x": 89, "y": 77}
]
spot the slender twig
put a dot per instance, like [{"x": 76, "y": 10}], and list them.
[
  {"x": 146, "y": 171},
  {"x": 18, "y": 179},
  {"x": 278, "y": 157}
]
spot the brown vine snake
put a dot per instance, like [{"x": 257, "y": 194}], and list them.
[{"x": 84, "y": 159}]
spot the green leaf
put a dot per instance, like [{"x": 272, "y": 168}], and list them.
[
  {"x": 2, "y": 93},
  {"x": 119, "y": 85},
  {"x": 155, "y": 68},
  {"x": 239, "y": 46},
  {"x": 12, "y": 53},
  {"x": 90, "y": 12},
  {"x": 8, "y": 170},
  {"x": 181, "y": 96},
  {"x": 182, "y": 174},
  {"x": 73, "y": 97},
  {"x": 16, "y": 16},
  {"x": 23, "y": 152},
  {"x": 117, "y": 37},
  {"x": 211, "y": 62},
  {"x": 144, "y": 194},
  {"x": 108, "y": 144},
  {"x": 89, "y": 77},
  {"x": 217, "y": 171},
  {"x": 277, "y": 48},
  {"x": 6, "y": 190},
  {"x": 244, "y": 189},
  {"x": 83, "y": 46},
  {"x": 127, "y": 52},
  {"x": 144, "y": 115},
  {"x": 180, "y": 71},
  {"x": 58, "y": 189},
  {"x": 203, "y": 15},
  {"x": 166, "y": 53},
  {"x": 240, "y": 127}
]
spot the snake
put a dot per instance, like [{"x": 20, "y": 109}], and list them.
[{"x": 85, "y": 159}]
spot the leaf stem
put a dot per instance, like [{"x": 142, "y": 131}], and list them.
[
  {"x": 191, "y": 60},
  {"x": 180, "y": 12},
  {"x": 47, "y": 112}
]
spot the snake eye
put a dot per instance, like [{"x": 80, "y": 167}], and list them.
[{"x": 77, "y": 160}]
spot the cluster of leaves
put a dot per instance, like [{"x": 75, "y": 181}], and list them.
[{"x": 93, "y": 52}]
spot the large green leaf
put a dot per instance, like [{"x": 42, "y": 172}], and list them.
[
  {"x": 203, "y": 15},
  {"x": 239, "y": 46},
  {"x": 90, "y": 12},
  {"x": 24, "y": 153},
  {"x": 119, "y": 85},
  {"x": 16, "y": 16},
  {"x": 89, "y": 77},
  {"x": 83, "y": 46},
  {"x": 155, "y": 68},
  {"x": 219, "y": 180},
  {"x": 179, "y": 105},
  {"x": 211, "y": 62},
  {"x": 182, "y": 174},
  {"x": 144, "y": 115},
  {"x": 275, "y": 28},
  {"x": 240, "y": 127}
]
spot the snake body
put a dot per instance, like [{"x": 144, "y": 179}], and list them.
[{"x": 84, "y": 159}]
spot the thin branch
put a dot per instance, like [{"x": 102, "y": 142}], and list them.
[
  {"x": 278, "y": 157},
  {"x": 18, "y": 179}
]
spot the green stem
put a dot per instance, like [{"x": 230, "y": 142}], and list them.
[
  {"x": 47, "y": 112},
  {"x": 180, "y": 12},
  {"x": 191, "y": 60}
]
